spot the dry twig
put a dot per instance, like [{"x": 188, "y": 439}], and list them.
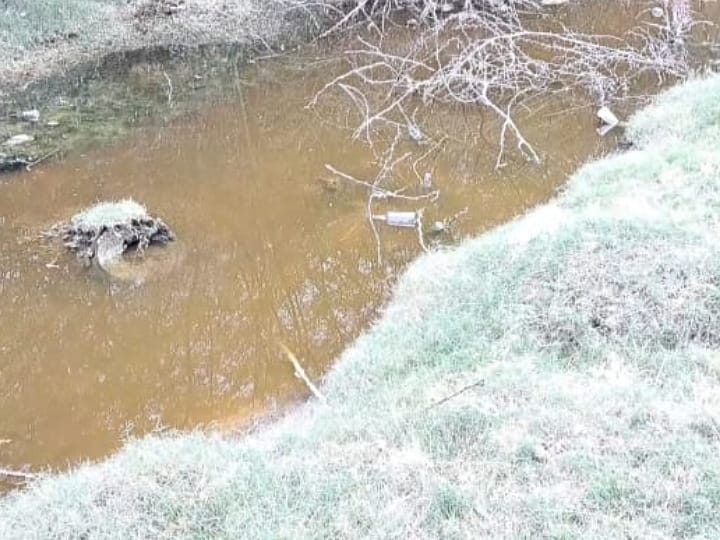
[
  {"x": 300, "y": 374},
  {"x": 11, "y": 473},
  {"x": 387, "y": 164},
  {"x": 491, "y": 54},
  {"x": 464, "y": 389}
]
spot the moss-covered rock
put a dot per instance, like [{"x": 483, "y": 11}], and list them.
[{"x": 103, "y": 232}]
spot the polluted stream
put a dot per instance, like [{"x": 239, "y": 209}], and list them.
[{"x": 273, "y": 252}]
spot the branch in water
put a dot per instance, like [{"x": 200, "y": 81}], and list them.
[{"x": 300, "y": 374}]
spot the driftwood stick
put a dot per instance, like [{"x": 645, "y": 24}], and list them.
[
  {"x": 17, "y": 474},
  {"x": 420, "y": 232},
  {"x": 169, "y": 88},
  {"x": 300, "y": 374},
  {"x": 349, "y": 178},
  {"x": 30, "y": 165},
  {"x": 464, "y": 389}
]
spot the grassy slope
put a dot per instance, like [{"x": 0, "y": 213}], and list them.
[
  {"x": 593, "y": 322},
  {"x": 25, "y": 24}
]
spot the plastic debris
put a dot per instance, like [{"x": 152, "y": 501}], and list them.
[
  {"x": 32, "y": 116},
  {"x": 399, "y": 219},
  {"x": 610, "y": 121},
  {"x": 657, "y": 12}
]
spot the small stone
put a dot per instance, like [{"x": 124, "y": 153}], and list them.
[
  {"x": 539, "y": 454},
  {"x": 330, "y": 184},
  {"x": 427, "y": 181},
  {"x": 109, "y": 246},
  {"x": 13, "y": 163},
  {"x": 17, "y": 140},
  {"x": 171, "y": 7},
  {"x": 657, "y": 12},
  {"x": 415, "y": 133},
  {"x": 438, "y": 227},
  {"x": 32, "y": 116}
]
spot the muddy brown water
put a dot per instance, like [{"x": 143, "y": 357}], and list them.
[{"x": 269, "y": 254}]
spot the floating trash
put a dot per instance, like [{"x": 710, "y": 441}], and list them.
[
  {"x": 609, "y": 120},
  {"x": 415, "y": 133},
  {"x": 399, "y": 219}
]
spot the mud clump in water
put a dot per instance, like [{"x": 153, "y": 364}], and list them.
[{"x": 102, "y": 233}]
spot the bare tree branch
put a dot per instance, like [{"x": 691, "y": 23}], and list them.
[{"x": 489, "y": 53}]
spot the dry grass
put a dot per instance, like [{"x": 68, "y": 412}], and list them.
[
  {"x": 581, "y": 429},
  {"x": 43, "y": 38}
]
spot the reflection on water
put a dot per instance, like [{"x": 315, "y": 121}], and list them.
[{"x": 269, "y": 254}]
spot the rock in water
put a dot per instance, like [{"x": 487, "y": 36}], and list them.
[
  {"x": 17, "y": 140},
  {"x": 108, "y": 247},
  {"x": 657, "y": 12},
  {"x": 102, "y": 233},
  {"x": 13, "y": 163}
]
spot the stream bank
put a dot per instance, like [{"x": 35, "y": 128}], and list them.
[
  {"x": 144, "y": 62},
  {"x": 277, "y": 250},
  {"x": 498, "y": 396}
]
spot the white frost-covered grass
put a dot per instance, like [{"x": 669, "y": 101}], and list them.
[
  {"x": 589, "y": 329},
  {"x": 43, "y": 38},
  {"x": 109, "y": 214}
]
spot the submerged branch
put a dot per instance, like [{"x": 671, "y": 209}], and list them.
[
  {"x": 496, "y": 56},
  {"x": 300, "y": 374},
  {"x": 11, "y": 473}
]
